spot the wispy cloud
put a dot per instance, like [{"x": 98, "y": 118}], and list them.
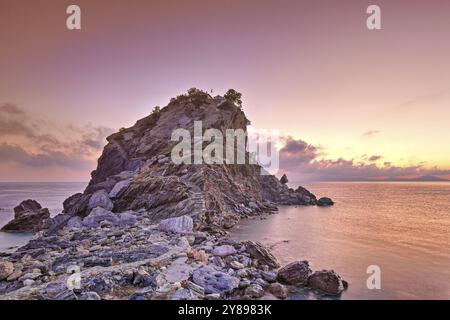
[
  {"x": 433, "y": 96},
  {"x": 371, "y": 133},
  {"x": 305, "y": 162},
  {"x": 374, "y": 158},
  {"x": 28, "y": 141}
]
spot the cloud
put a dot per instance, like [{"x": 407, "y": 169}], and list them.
[
  {"x": 28, "y": 141},
  {"x": 374, "y": 158},
  {"x": 304, "y": 162},
  {"x": 371, "y": 133},
  {"x": 17, "y": 155},
  {"x": 13, "y": 121},
  {"x": 432, "y": 96}
]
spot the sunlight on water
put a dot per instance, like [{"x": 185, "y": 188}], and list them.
[{"x": 402, "y": 227}]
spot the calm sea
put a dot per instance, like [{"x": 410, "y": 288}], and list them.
[
  {"x": 49, "y": 194},
  {"x": 404, "y": 228}
]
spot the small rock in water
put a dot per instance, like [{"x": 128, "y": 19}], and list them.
[
  {"x": 327, "y": 281},
  {"x": 325, "y": 202},
  {"x": 75, "y": 222},
  {"x": 295, "y": 273}
]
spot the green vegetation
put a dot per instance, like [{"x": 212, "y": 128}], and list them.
[
  {"x": 156, "y": 109},
  {"x": 234, "y": 97}
]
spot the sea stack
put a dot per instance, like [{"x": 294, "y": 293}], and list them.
[
  {"x": 147, "y": 228},
  {"x": 135, "y": 171}
]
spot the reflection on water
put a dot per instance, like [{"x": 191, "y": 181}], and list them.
[{"x": 402, "y": 227}]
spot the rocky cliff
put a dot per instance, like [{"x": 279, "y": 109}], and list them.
[
  {"x": 146, "y": 228},
  {"x": 135, "y": 171}
]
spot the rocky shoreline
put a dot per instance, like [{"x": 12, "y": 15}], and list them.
[
  {"x": 146, "y": 228},
  {"x": 133, "y": 259}
]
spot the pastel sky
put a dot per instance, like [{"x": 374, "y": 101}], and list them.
[{"x": 351, "y": 103}]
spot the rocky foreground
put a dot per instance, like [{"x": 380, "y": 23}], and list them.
[
  {"x": 146, "y": 228},
  {"x": 125, "y": 256}
]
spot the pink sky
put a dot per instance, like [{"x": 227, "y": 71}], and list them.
[{"x": 310, "y": 69}]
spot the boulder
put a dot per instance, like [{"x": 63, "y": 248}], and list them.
[
  {"x": 295, "y": 273},
  {"x": 325, "y": 202},
  {"x": 223, "y": 251},
  {"x": 100, "y": 199},
  {"x": 262, "y": 254},
  {"x": 278, "y": 290},
  {"x": 98, "y": 215},
  {"x": 183, "y": 224},
  {"x": 214, "y": 281},
  {"x": 6, "y": 269},
  {"x": 269, "y": 276},
  {"x": 119, "y": 187},
  {"x": 326, "y": 281},
  {"x": 28, "y": 216},
  {"x": 254, "y": 291}
]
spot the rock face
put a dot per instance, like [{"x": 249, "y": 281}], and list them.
[
  {"x": 147, "y": 228},
  {"x": 326, "y": 281},
  {"x": 28, "y": 216},
  {"x": 135, "y": 172},
  {"x": 295, "y": 273}
]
